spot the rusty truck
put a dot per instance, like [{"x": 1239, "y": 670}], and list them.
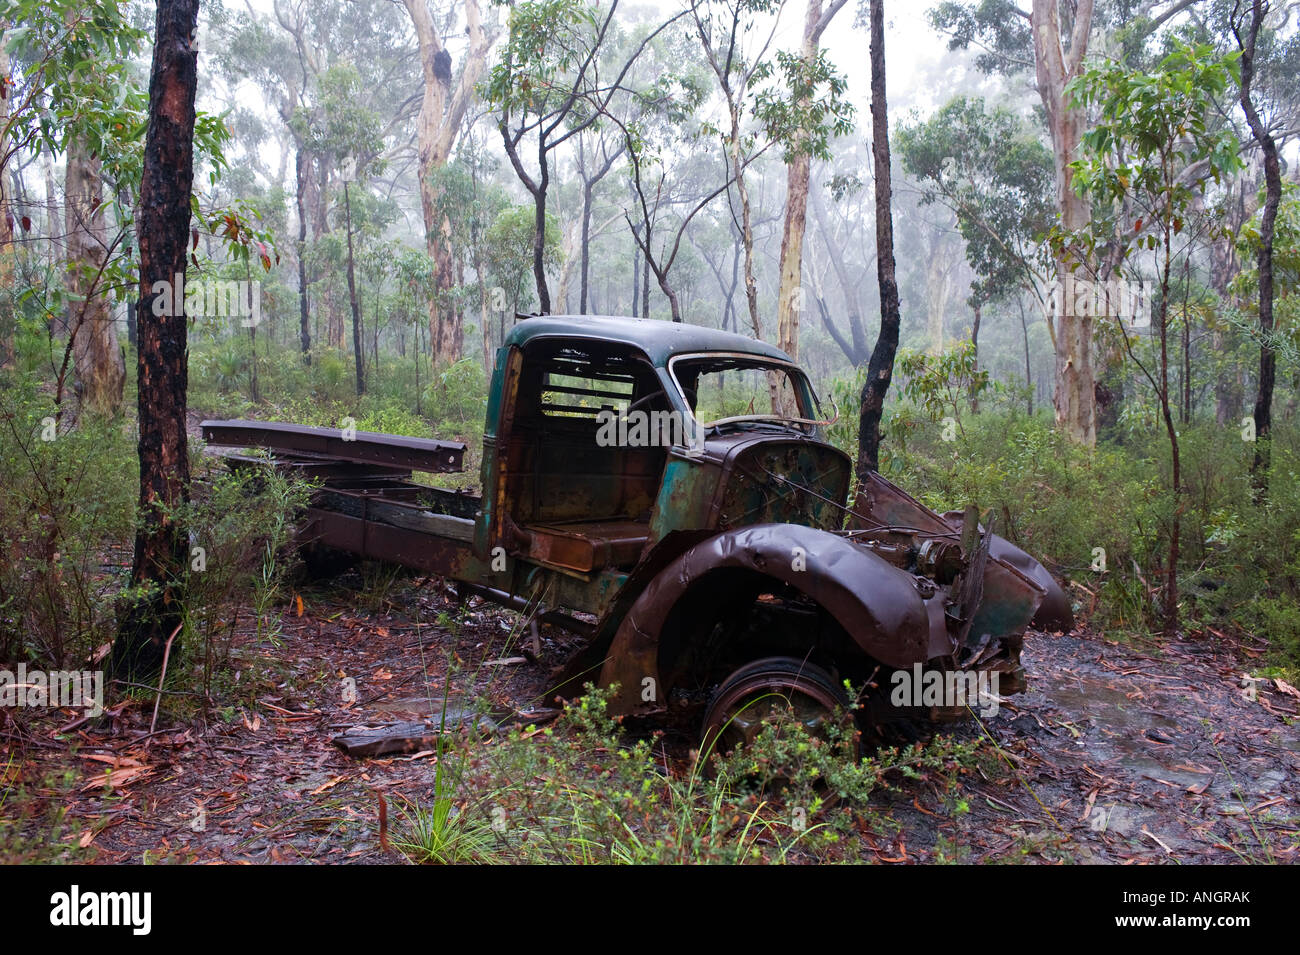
[{"x": 668, "y": 493}]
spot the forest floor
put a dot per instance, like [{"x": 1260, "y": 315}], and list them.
[{"x": 1115, "y": 754}]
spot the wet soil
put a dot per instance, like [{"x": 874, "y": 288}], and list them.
[{"x": 1115, "y": 753}]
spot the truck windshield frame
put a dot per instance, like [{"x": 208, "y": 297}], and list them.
[{"x": 807, "y": 421}]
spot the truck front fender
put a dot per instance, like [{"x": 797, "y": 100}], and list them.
[{"x": 880, "y": 606}]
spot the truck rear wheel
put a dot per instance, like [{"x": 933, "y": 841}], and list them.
[{"x": 774, "y": 689}]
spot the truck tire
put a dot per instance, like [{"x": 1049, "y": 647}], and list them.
[{"x": 767, "y": 689}]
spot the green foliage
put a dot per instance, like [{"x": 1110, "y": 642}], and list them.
[
  {"x": 997, "y": 28},
  {"x": 509, "y": 248},
  {"x": 582, "y": 791},
  {"x": 456, "y": 396},
  {"x": 74, "y": 80},
  {"x": 340, "y": 126},
  {"x": 990, "y": 168},
  {"x": 812, "y": 108},
  {"x": 242, "y": 524},
  {"x": 67, "y": 510},
  {"x": 1154, "y": 127},
  {"x": 34, "y": 824},
  {"x": 1250, "y": 560},
  {"x": 548, "y": 40},
  {"x": 938, "y": 384},
  {"x": 1285, "y": 339}
]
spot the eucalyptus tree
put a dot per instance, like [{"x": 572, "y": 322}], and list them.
[
  {"x": 989, "y": 168},
  {"x": 1154, "y": 149},
  {"x": 444, "y": 102},
  {"x": 1051, "y": 40},
  {"x": 155, "y": 609},
  {"x": 880, "y": 368},
  {"x": 551, "y": 85},
  {"x": 1247, "y": 36},
  {"x": 284, "y": 52},
  {"x": 813, "y": 109},
  {"x": 73, "y": 93},
  {"x": 736, "y": 36},
  {"x": 347, "y": 136}
]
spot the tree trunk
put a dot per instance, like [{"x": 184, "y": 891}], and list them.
[
  {"x": 584, "y": 247},
  {"x": 446, "y": 347},
  {"x": 938, "y": 276},
  {"x": 1075, "y": 399},
  {"x": 301, "y": 164},
  {"x": 1170, "y": 607},
  {"x": 746, "y": 223},
  {"x": 358, "y": 348},
  {"x": 1029, "y": 368},
  {"x": 636, "y": 274},
  {"x": 101, "y": 371},
  {"x": 880, "y": 370},
  {"x": 1187, "y": 348},
  {"x": 155, "y": 612},
  {"x": 333, "y": 318},
  {"x": 856, "y": 349},
  {"x": 975, "y": 349},
  {"x": 1273, "y": 195},
  {"x": 645, "y": 288},
  {"x": 442, "y": 112},
  {"x": 539, "y": 228},
  {"x": 8, "y": 314},
  {"x": 790, "y": 300}
]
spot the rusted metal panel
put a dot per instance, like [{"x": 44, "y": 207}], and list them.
[
  {"x": 880, "y": 606},
  {"x": 384, "y": 510},
  {"x": 362, "y": 447},
  {"x": 319, "y": 467},
  {"x": 589, "y": 545},
  {"x": 400, "y": 545},
  {"x": 881, "y": 503}
]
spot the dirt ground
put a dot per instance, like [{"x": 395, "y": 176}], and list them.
[{"x": 1115, "y": 754}]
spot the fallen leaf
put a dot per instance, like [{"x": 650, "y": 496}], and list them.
[
  {"x": 327, "y": 785},
  {"x": 1284, "y": 687},
  {"x": 115, "y": 779}
]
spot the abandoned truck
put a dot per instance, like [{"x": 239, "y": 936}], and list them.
[{"x": 667, "y": 492}]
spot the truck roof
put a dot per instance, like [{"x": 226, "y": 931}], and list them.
[{"x": 659, "y": 339}]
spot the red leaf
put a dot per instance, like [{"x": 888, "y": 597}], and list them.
[
  {"x": 194, "y": 235},
  {"x": 195, "y": 259},
  {"x": 27, "y": 223},
  {"x": 266, "y": 262}
]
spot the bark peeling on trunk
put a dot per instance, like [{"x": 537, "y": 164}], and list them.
[
  {"x": 442, "y": 113},
  {"x": 1055, "y": 67},
  {"x": 101, "y": 370},
  {"x": 156, "y": 608}
]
